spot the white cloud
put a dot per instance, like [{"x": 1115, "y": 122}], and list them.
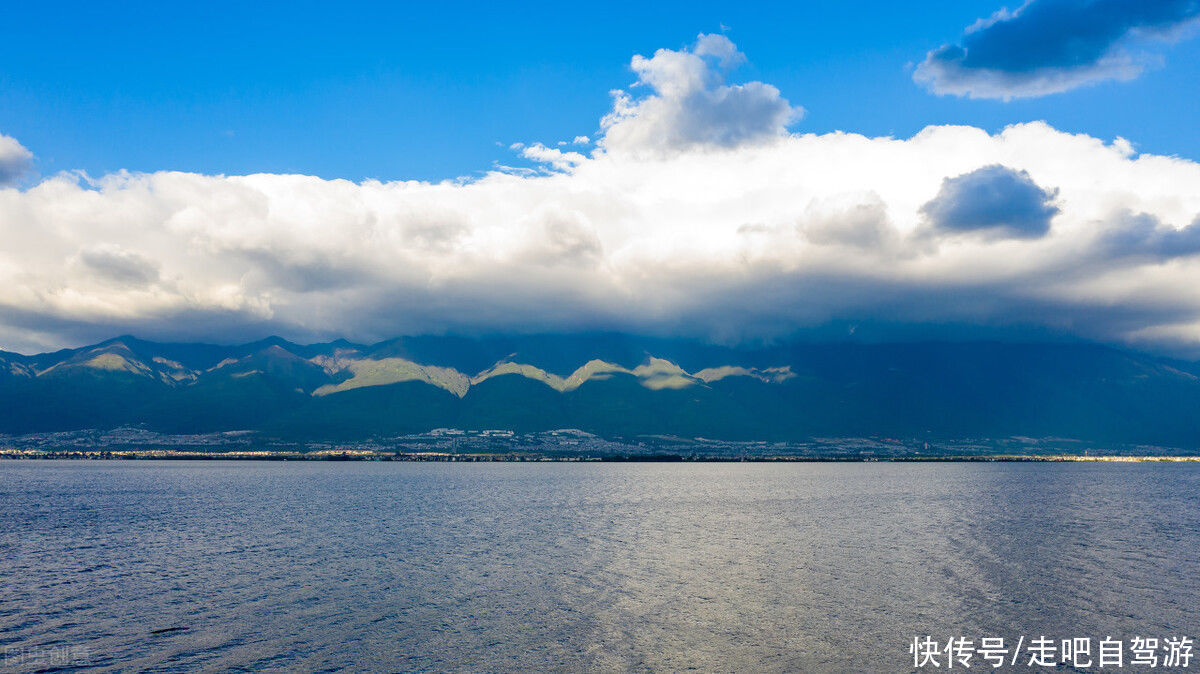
[
  {"x": 554, "y": 157},
  {"x": 690, "y": 105},
  {"x": 15, "y": 160},
  {"x": 725, "y": 240}
]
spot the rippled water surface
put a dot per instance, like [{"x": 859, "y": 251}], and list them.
[{"x": 746, "y": 567}]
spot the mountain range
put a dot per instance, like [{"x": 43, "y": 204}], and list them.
[{"x": 613, "y": 385}]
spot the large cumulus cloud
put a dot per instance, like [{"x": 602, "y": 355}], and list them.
[
  {"x": 729, "y": 236},
  {"x": 1051, "y": 46}
]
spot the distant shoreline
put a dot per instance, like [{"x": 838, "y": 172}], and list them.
[{"x": 438, "y": 457}]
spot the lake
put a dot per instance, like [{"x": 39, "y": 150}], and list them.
[{"x": 179, "y": 565}]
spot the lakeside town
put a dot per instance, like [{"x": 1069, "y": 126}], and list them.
[{"x": 451, "y": 444}]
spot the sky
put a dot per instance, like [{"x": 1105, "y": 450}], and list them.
[{"x": 227, "y": 171}]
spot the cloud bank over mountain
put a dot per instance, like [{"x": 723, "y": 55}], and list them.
[
  {"x": 1050, "y": 46},
  {"x": 697, "y": 213}
]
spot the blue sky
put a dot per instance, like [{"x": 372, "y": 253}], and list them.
[
  {"x": 438, "y": 90},
  {"x": 225, "y": 172}
]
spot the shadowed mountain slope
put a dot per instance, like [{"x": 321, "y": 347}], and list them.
[{"x": 612, "y": 385}]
